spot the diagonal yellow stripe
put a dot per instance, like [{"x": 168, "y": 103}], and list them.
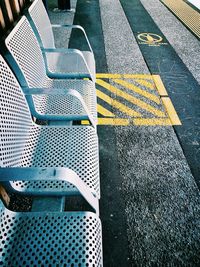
[
  {"x": 118, "y": 105},
  {"x": 145, "y": 83},
  {"x": 159, "y": 85},
  {"x": 131, "y": 99},
  {"x": 103, "y": 111},
  {"x": 138, "y": 90}
]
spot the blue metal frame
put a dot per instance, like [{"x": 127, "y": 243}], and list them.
[{"x": 48, "y": 174}]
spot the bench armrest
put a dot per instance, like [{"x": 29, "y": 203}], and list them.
[
  {"x": 77, "y": 52},
  {"x": 75, "y": 27},
  {"x": 50, "y": 174},
  {"x": 57, "y": 91}
]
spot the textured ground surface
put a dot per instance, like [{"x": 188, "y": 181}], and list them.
[{"x": 150, "y": 207}]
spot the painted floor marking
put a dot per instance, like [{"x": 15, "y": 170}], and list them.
[
  {"x": 133, "y": 99},
  {"x": 138, "y": 90},
  {"x": 130, "y": 98}
]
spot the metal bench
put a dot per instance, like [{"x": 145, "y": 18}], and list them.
[
  {"x": 76, "y": 103},
  {"x": 62, "y": 61},
  {"x": 49, "y": 238},
  {"x": 25, "y": 144}
]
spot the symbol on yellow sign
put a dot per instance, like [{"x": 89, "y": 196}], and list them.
[{"x": 151, "y": 39}]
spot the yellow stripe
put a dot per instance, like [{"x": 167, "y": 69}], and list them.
[
  {"x": 109, "y": 121},
  {"x": 131, "y": 99},
  {"x": 159, "y": 85},
  {"x": 115, "y": 121},
  {"x": 118, "y": 105},
  {"x": 103, "y": 111},
  {"x": 152, "y": 122},
  {"x": 108, "y": 75},
  {"x": 138, "y": 90},
  {"x": 145, "y": 83},
  {"x": 85, "y": 122},
  {"x": 171, "y": 111},
  {"x": 104, "y": 97}
]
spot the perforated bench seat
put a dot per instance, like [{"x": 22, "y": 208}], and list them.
[
  {"x": 24, "y": 47},
  {"x": 59, "y": 105},
  {"x": 78, "y": 63},
  {"x": 50, "y": 239},
  {"x": 25, "y": 144},
  {"x": 73, "y": 147},
  {"x": 58, "y": 64}
]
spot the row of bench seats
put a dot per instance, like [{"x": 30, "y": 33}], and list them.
[{"x": 40, "y": 83}]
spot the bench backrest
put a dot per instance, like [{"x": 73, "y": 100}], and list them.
[
  {"x": 24, "y": 47},
  {"x": 42, "y": 24},
  {"x": 15, "y": 120}
]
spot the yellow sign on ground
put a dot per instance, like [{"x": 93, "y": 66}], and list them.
[
  {"x": 133, "y": 99},
  {"x": 150, "y": 39}
]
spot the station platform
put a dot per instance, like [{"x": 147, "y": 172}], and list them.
[{"x": 148, "y": 75}]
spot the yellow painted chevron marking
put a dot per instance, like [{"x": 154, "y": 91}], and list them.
[
  {"x": 118, "y": 105},
  {"x": 108, "y": 75},
  {"x": 159, "y": 85},
  {"x": 131, "y": 98},
  {"x": 104, "y": 97},
  {"x": 85, "y": 122},
  {"x": 171, "y": 111},
  {"x": 103, "y": 111},
  {"x": 152, "y": 122},
  {"x": 113, "y": 121},
  {"x": 109, "y": 121},
  {"x": 121, "y": 76},
  {"x": 145, "y": 83},
  {"x": 138, "y": 90}
]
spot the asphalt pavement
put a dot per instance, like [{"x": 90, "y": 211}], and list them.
[{"x": 150, "y": 202}]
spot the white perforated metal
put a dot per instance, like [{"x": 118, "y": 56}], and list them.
[
  {"x": 25, "y": 49},
  {"x": 59, "y": 63},
  {"x": 61, "y": 105},
  {"x": 39, "y": 15},
  {"x": 50, "y": 239},
  {"x": 25, "y": 144},
  {"x": 15, "y": 121}
]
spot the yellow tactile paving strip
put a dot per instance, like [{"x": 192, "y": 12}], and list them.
[
  {"x": 133, "y": 100},
  {"x": 189, "y": 16}
]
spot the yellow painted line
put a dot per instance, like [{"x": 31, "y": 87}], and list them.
[
  {"x": 189, "y": 16},
  {"x": 109, "y": 121},
  {"x": 103, "y": 111},
  {"x": 131, "y": 98},
  {"x": 171, "y": 111},
  {"x": 85, "y": 122},
  {"x": 121, "y": 76},
  {"x": 159, "y": 85},
  {"x": 115, "y": 121},
  {"x": 109, "y": 75},
  {"x": 145, "y": 83},
  {"x": 118, "y": 105},
  {"x": 152, "y": 122},
  {"x": 138, "y": 90},
  {"x": 104, "y": 97}
]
